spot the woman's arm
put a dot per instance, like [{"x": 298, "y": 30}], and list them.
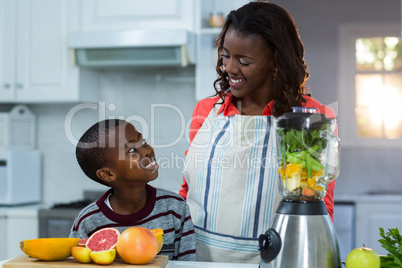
[{"x": 329, "y": 197}]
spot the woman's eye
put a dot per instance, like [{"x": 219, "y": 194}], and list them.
[
  {"x": 225, "y": 56},
  {"x": 244, "y": 63}
]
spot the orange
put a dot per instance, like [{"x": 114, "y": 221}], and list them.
[
  {"x": 158, "y": 233},
  {"x": 137, "y": 245},
  {"x": 81, "y": 254},
  {"x": 293, "y": 168}
]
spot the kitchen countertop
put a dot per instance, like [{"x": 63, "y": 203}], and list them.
[
  {"x": 22, "y": 210},
  {"x": 32, "y": 211},
  {"x": 364, "y": 198},
  {"x": 182, "y": 264},
  {"x": 193, "y": 264}
]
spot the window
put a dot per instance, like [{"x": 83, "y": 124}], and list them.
[
  {"x": 370, "y": 80},
  {"x": 378, "y": 83}
]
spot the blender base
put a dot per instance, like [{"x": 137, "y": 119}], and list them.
[{"x": 307, "y": 241}]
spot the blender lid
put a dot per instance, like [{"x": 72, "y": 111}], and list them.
[{"x": 302, "y": 120}]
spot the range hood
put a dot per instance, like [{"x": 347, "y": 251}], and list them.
[{"x": 162, "y": 47}]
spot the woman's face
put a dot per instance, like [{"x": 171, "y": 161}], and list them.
[{"x": 249, "y": 64}]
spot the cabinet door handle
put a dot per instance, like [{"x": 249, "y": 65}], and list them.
[
  {"x": 19, "y": 86},
  {"x": 6, "y": 86}
]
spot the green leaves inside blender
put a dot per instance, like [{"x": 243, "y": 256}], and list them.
[{"x": 304, "y": 146}]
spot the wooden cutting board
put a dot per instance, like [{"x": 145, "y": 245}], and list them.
[{"x": 24, "y": 261}]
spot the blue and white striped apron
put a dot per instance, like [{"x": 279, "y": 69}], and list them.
[{"x": 232, "y": 179}]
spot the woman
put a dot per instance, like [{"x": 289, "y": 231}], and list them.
[{"x": 230, "y": 180}]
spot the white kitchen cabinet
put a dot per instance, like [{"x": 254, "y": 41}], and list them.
[
  {"x": 107, "y": 15},
  {"x": 373, "y": 212},
  {"x": 3, "y": 246},
  {"x": 7, "y": 36},
  {"x": 344, "y": 224},
  {"x": 191, "y": 15},
  {"x": 17, "y": 224},
  {"x": 20, "y": 228},
  {"x": 207, "y": 57},
  {"x": 35, "y": 62}
]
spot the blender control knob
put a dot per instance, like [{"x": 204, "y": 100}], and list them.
[{"x": 270, "y": 245}]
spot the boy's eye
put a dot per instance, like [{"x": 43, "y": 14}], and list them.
[{"x": 136, "y": 145}]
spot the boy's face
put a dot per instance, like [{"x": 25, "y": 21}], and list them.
[{"x": 133, "y": 160}]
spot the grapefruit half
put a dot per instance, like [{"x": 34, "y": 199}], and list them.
[{"x": 103, "y": 239}]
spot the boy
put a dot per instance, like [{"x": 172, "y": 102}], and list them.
[{"x": 113, "y": 153}]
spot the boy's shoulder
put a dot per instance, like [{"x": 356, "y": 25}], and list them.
[
  {"x": 167, "y": 194},
  {"x": 87, "y": 210}
]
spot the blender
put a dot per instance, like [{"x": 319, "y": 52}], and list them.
[{"x": 302, "y": 234}]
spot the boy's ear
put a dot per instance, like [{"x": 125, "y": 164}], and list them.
[{"x": 106, "y": 174}]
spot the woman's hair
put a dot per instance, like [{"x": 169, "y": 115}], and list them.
[
  {"x": 276, "y": 28},
  {"x": 91, "y": 150}
]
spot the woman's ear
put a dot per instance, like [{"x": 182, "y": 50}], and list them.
[{"x": 106, "y": 174}]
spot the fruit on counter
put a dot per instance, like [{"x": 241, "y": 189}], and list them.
[
  {"x": 83, "y": 242},
  {"x": 392, "y": 242},
  {"x": 103, "y": 239},
  {"x": 158, "y": 233},
  {"x": 103, "y": 257},
  {"x": 137, "y": 245},
  {"x": 363, "y": 257},
  {"x": 49, "y": 249},
  {"x": 81, "y": 254}
]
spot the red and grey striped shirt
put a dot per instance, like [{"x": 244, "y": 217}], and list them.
[{"x": 164, "y": 209}]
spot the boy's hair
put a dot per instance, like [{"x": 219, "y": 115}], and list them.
[{"x": 91, "y": 148}]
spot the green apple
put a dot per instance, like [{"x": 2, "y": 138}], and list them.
[{"x": 363, "y": 257}]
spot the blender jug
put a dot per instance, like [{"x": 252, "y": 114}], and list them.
[
  {"x": 308, "y": 154},
  {"x": 302, "y": 234}
]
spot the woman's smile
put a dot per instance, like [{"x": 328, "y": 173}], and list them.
[{"x": 236, "y": 82}]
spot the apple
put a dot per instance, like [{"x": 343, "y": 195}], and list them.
[{"x": 363, "y": 257}]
